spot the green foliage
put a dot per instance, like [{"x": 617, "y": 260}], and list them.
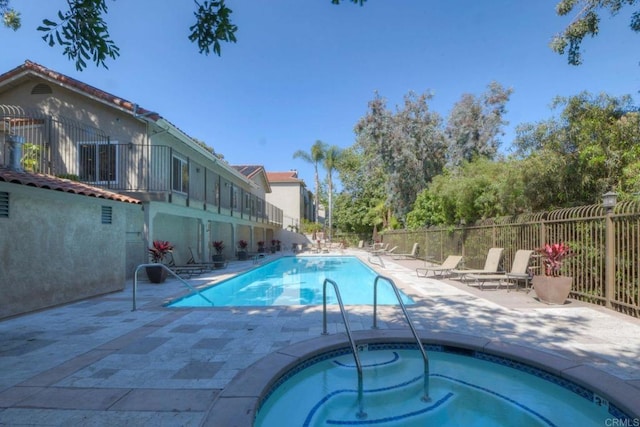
[
  {"x": 475, "y": 124},
  {"x": 84, "y": 35},
  {"x": 10, "y": 18},
  {"x": 310, "y": 227},
  {"x": 212, "y": 26},
  {"x": 407, "y": 145},
  {"x": 31, "y": 157},
  {"x": 315, "y": 157},
  {"x": 591, "y": 148},
  {"x": 586, "y": 23},
  {"x": 475, "y": 190},
  {"x": 82, "y": 32}
]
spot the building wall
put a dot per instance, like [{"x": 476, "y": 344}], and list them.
[
  {"x": 288, "y": 198},
  {"x": 55, "y": 249}
]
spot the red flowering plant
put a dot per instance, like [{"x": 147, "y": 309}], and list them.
[
  {"x": 552, "y": 257},
  {"x": 243, "y": 244},
  {"x": 218, "y": 245},
  {"x": 159, "y": 250}
]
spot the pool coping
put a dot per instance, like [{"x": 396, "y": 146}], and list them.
[{"x": 238, "y": 403}]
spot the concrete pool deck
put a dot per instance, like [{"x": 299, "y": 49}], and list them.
[{"x": 96, "y": 362}]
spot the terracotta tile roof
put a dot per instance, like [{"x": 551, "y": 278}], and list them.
[
  {"x": 58, "y": 184},
  {"x": 71, "y": 82},
  {"x": 289, "y": 176}
]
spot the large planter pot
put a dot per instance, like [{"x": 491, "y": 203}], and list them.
[
  {"x": 552, "y": 290},
  {"x": 156, "y": 274},
  {"x": 242, "y": 255},
  {"x": 218, "y": 261}
]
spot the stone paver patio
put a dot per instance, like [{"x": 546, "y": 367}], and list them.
[{"x": 97, "y": 362}]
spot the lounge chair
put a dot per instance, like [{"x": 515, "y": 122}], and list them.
[
  {"x": 519, "y": 271},
  {"x": 443, "y": 269},
  {"x": 381, "y": 250},
  {"x": 187, "y": 270},
  {"x": 413, "y": 254},
  {"x": 491, "y": 265}
]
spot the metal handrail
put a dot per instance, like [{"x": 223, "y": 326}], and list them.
[
  {"x": 135, "y": 282},
  {"x": 425, "y": 358},
  {"x": 361, "y": 414},
  {"x": 378, "y": 257}
]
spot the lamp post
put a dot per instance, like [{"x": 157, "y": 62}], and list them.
[{"x": 609, "y": 202}]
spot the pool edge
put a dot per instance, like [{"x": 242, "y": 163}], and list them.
[{"x": 238, "y": 403}]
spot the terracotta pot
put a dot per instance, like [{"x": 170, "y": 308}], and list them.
[
  {"x": 552, "y": 290},
  {"x": 156, "y": 274}
]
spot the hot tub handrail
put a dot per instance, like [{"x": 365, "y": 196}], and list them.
[
  {"x": 425, "y": 358},
  {"x": 173, "y": 273},
  {"x": 361, "y": 414}
]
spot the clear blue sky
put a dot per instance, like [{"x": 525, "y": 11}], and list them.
[{"x": 305, "y": 70}]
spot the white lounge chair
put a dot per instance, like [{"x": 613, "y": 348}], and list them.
[
  {"x": 491, "y": 265},
  {"x": 413, "y": 254},
  {"x": 519, "y": 272},
  {"x": 443, "y": 269}
]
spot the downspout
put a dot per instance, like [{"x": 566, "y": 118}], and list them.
[{"x": 15, "y": 148}]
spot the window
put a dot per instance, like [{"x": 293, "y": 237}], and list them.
[
  {"x": 180, "y": 178},
  {"x": 234, "y": 198},
  {"x": 98, "y": 162}
]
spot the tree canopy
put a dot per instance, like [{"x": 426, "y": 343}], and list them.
[
  {"x": 84, "y": 36},
  {"x": 585, "y": 23}
]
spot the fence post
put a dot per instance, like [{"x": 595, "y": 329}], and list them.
[{"x": 609, "y": 203}]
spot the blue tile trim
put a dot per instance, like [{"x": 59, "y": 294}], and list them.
[
  {"x": 394, "y": 359},
  {"x": 569, "y": 385}
]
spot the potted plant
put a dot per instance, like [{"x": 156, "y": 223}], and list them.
[
  {"x": 260, "y": 246},
  {"x": 273, "y": 246},
  {"x": 158, "y": 252},
  {"x": 218, "y": 257},
  {"x": 278, "y": 245},
  {"x": 242, "y": 249},
  {"x": 552, "y": 287}
]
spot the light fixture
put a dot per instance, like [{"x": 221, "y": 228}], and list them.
[{"x": 609, "y": 200}]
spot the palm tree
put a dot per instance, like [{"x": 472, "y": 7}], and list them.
[
  {"x": 315, "y": 156},
  {"x": 331, "y": 158}
]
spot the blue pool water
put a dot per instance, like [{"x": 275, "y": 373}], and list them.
[
  {"x": 297, "y": 281},
  {"x": 465, "y": 390}
]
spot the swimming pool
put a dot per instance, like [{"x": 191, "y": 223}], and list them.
[
  {"x": 474, "y": 381},
  {"x": 297, "y": 281}
]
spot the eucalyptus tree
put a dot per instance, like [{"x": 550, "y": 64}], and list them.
[
  {"x": 475, "y": 125},
  {"x": 407, "y": 145},
  {"x": 83, "y": 33},
  {"x": 315, "y": 157},
  {"x": 586, "y": 22},
  {"x": 331, "y": 159}
]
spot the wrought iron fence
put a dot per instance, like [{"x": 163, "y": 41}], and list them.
[{"x": 606, "y": 243}]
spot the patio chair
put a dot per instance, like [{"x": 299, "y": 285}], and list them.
[
  {"x": 443, "y": 269},
  {"x": 381, "y": 250},
  {"x": 519, "y": 271},
  {"x": 412, "y": 255},
  {"x": 491, "y": 265},
  {"x": 187, "y": 270}
]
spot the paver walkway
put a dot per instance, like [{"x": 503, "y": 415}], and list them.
[{"x": 98, "y": 363}]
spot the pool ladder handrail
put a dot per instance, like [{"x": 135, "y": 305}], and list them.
[
  {"x": 173, "y": 273},
  {"x": 361, "y": 414},
  {"x": 425, "y": 358}
]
